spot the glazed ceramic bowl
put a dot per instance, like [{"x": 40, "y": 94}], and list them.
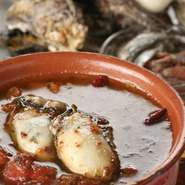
[{"x": 49, "y": 66}]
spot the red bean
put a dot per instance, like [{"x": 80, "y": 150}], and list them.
[
  {"x": 100, "y": 81},
  {"x": 156, "y": 117}
]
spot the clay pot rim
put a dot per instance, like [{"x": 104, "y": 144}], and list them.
[{"x": 180, "y": 147}]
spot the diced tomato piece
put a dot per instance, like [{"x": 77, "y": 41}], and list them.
[
  {"x": 22, "y": 170},
  {"x": 53, "y": 87},
  {"x": 66, "y": 180},
  {"x": 18, "y": 170},
  {"x": 4, "y": 158},
  {"x": 43, "y": 175},
  {"x": 14, "y": 92},
  {"x": 9, "y": 107},
  {"x": 76, "y": 180},
  {"x": 100, "y": 81}
]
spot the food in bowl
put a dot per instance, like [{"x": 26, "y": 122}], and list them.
[{"x": 81, "y": 130}]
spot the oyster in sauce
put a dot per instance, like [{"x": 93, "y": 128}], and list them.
[
  {"x": 28, "y": 125},
  {"x": 82, "y": 147},
  {"x": 51, "y": 129}
]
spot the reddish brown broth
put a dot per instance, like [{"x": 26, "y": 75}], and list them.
[{"x": 142, "y": 147}]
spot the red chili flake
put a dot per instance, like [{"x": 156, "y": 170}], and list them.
[
  {"x": 73, "y": 179},
  {"x": 94, "y": 128},
  {"x": 42, "y": 175},
  {"x": 156, "y": 117},
  {"x": 23, "y": 134},
  {"x": 9, "y": 107},
  {"x": 100, "y": 81},
  {"x": 14, "y": 92},
  {"x": 48, "y": 149},
  {"x": 24, "y": 160},
  {"x": 53, "y": 87},
  {"x": 4, "y": 158},
  {"x": 98, "y": 143},
  {"x": 76, "y": 131},
  {"x": 77, "y": 145},
  {"x": 129, "y": 171}
]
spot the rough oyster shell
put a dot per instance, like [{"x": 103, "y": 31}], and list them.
[
  {"x": 128, "y": 13},
  {"x": 56, "y": 24}
]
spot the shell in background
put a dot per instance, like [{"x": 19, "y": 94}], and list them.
[
  {"x": 180, "y": 11},
  {"x": 140, "y": 43},
  {"x": 140, "y": 46},
  {"x": 128, "y": 13},
  {"x": 56, "y": 24},
  {"x": 154, "y": 6}
]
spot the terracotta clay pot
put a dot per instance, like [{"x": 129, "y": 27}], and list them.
[{"x": 42, "y": 66}]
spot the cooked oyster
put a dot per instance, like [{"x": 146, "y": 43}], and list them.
[
  {"x": 28, "y": 125},
  {"x": 43, "y": 127},
  {"x": 57, "y": 24},
  {"x": 82, "y": 148}
]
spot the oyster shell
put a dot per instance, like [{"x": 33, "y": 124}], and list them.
[
  {"x": 154, "y": 6},
  {"x": 28, "y": 125},
  {"x": 133, "y": 48},
  {"x": 180, "y": 11},
  {"x": 82, "y": 147},
  {"x": 142, "y": 47},
  {"x": 171, "y": 67},
  {"x": 56, "y": 25},
  {"x": 128, "y": 13}
]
